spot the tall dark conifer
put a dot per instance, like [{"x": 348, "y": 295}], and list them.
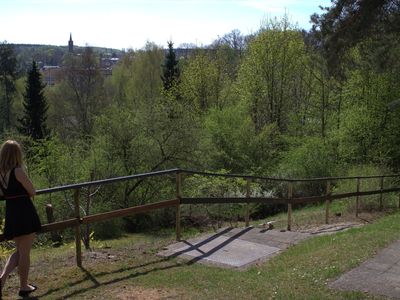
[
  {"x": 8, "y": 75},
  {"x": 171, "y": 72},
  {"x": 33, "y": 122}
]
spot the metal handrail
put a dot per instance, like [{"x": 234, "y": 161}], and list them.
[
  {"x": 185, "y": 171},
  {"x": 103, "y": 181},
  {"x": 284, "y": 179}
]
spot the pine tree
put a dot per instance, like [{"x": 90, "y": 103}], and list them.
[
  {"x": 8, "y": 75},
  {"x": 33, "y": 122},
  {"x": 171, "y": 72}
]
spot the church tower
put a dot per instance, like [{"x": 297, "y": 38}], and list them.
[{"x": 70, "y": 44}]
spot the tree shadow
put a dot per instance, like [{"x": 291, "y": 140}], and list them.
[{"x": 93, "y": 277}]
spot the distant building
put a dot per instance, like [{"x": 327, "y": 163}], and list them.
[
  {"x": 70, "y": 44},
  {"x": 51, "y": 74},
  {"x": 182, "y": 53},
  {"x": 107, "y": 63}
]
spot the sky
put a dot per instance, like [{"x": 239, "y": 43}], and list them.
[{"x": 129, "y": 24}]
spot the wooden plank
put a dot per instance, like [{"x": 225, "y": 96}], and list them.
[
  {"x": 55, "y": 236},
  {"x": 60, "y": 225},
  {"x": 327, "y": 201},
  {"x": 247, "y": 214},
  {"x": 271, "y": 201},
  {"x": 290, "y": 195},
  {"x": 228, "y": 200},
  {"x": 381, "y": 195},
  {"x": 128, "y": 211},
  {"x": 178, "y": 206},
  {"x": 366, "y": 193},
  {"x": 342, "y": 196},
  {"x": 53, "y": 226},
  {"x": 358, "y": 197},
  {"x": 78, "y": 244}
]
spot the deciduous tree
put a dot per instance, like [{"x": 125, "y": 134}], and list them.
[
  {"x": 269, "y": 74},
  {"x": 81, "y": 94}
]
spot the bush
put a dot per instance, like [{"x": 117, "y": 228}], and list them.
[
  {"x": 366, "y": 203},
  {"x": 113, "y": 228},
  {"x": 313, "y": 158},
  {"x": 206, "y": 186},
  {"x": 108, "y": 229}
]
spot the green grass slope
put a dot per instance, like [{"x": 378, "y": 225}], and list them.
[{"x": 128, "y": 268}]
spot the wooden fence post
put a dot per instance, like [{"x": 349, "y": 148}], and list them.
[
  {"x": 78, "y": 230},
  {"x": 381, "y": 195},
  {"x": 399, "y": 201},
  {"x": 327, "y": 201},
  {"x": 178, "y": 206},
  {"x": 247, "y": 216},
  {"x": 290, "y": 196},
  {"x": 55, "y": 236},
  {"x": 357, "y": 197}
]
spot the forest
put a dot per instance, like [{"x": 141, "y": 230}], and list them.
[{"x": 282, "y": 102}]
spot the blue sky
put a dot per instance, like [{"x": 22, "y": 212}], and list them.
[{"x": 131, "y": 23}]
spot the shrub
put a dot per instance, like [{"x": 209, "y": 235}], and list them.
[
  {"x": 314, "y": 157},
  {"x": 366, "y": 203}
]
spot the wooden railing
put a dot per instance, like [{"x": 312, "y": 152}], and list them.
[{"x": 179, "y": 199}]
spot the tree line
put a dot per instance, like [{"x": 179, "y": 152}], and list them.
[{"x": 280, "y": 102}]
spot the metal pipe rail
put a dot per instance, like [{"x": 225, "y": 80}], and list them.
[
  {"x": 104, "y": 181},
  {"x": 283, "y": 179}
]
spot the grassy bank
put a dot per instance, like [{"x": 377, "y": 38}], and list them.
[{"x": 129, "y": 267}]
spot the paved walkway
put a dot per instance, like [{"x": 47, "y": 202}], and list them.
[
  {"x": 234, "y": 247},
  {"x": 379, "y": 275},
  {"x": 242, "y": 247}
]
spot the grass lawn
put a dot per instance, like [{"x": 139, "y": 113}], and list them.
[{"x": 128, "y": 268}]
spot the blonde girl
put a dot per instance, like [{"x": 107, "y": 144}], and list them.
[{"x": 21, "y": 219}]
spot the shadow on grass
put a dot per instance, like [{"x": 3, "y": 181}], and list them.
[{"x": 155, "y": 265}]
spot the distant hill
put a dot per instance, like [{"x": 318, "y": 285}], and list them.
[{"x": 51, "y": 55}]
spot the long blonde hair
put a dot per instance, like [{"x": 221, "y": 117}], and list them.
[{"x": 10, "y": 156}]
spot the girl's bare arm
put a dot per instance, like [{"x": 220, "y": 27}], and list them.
[{"x": 25, "y": 181}]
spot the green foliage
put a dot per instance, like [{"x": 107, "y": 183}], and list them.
[
  {"x": 367, "y": 131},
  {"x": 311, "y": 158},
  {"x": 264, "y": 104},
  {"x": 216, "y": 187},
  {"x": 268, "y": 75},
  {"x": 200, "y": 84},
  {"x": 348, "y": 22},
  {"x": 138, "y": 77},
  {"x": 80, "y": 96},
  {"x": 56, "y": 163},
  {"x": 113, "y": 228},
  {"x": 366, "y": 203},
  {"x": 235, "y": 144},
  {"x": 358, "y": 135}
]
